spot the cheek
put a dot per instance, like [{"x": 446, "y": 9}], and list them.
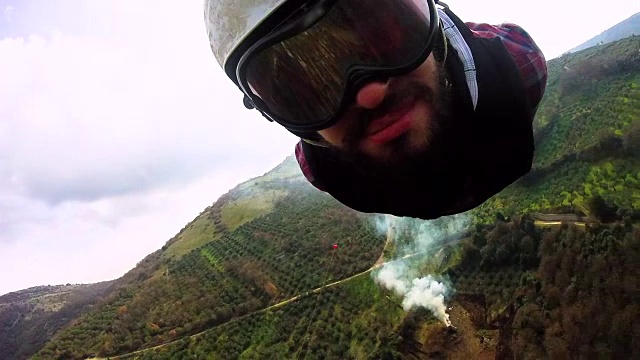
[
  {"x": 334, "y": 134},
  {"x": 426, "y": 73},
  {"x": 337, "y": 134},
  {"x": 421, "y": 127}
]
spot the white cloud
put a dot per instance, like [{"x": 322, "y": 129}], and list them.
[
  {"x": 82, "y": 242},
  {"x": 112, "y": 141},
  {"x": 7, "y": 12},
  {"x": 111, "y": 119}
]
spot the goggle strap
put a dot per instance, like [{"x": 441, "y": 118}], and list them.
[
  {"x": 248, "y": 103},
  {"x": 320, "y": 143},
  {"x": 446, "y": 45}
]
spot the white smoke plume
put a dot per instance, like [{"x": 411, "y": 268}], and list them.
[
  {"x": 383, "y": 222},
  {"x": 423, "y": 292},
  {"x": 417, "y": 290},
  {"x": 428, "y": 293},
  {"x": 388, "y": 277}
]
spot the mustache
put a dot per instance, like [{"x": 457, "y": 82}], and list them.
[{"x": 398, "y": 96}]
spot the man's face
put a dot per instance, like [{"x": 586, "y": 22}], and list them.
[{"x": 393, "y": 121}]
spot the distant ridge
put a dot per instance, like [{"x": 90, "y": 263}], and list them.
[{"x": 626, "y": 28}]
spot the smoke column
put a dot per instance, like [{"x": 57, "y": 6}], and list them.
[
  {"x": 399, "y": 276},
  {"x": 423, "y": 292}
]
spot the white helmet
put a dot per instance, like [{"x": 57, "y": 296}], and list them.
[
  {"x": 228, "y": 22},
  {"x": 301, "y": 62}
]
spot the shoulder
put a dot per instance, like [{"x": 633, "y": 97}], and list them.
[
  {"x": 515, "y": 37},
  {"x": 525, "y": 52}
]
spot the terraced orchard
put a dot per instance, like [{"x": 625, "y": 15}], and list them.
[
  {"x": 283, "y": 253},
  {"x": 277, "y": 255},
  {"x": 353, "y": 320}
]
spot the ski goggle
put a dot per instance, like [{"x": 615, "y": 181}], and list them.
[{"x": 306, "y": 72}]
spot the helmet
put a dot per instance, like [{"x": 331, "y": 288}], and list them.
[
  {"x": 301, "y": 62},
  {"x": 228, "y": 22}
]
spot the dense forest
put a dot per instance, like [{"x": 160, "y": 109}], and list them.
[
  {"x": 567, "y": 291},
  {"x": 258, "y": 273}
]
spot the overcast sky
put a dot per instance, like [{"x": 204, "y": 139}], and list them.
[{"x": 117, "y": 127}]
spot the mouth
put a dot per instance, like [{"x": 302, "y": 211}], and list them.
[{"x": 389, "y": 127}]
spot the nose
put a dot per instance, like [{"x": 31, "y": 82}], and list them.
[{"x": 371, "y": 95}]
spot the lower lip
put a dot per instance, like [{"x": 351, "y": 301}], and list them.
[{"x": 399, "y": 127}]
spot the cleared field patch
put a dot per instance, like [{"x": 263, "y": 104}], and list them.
[{"x": 246, "y": 209}]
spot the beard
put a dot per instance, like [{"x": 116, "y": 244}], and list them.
[
  {"x": 428, "y": 167},
  {"x": 427, "y": 146},
  {"x": 433, "y": 170}
]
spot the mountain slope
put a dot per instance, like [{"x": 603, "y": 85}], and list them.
[
  {"x": 29, "y": 318},
  {"x": 623, "y": 29},
  {"x": 272, "y": 240}
]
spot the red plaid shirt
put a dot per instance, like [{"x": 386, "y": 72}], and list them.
[
  {"x": 528, "y": 57},
  {"x": 525, "y": 52}
]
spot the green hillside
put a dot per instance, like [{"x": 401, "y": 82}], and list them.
[
  {"x": 587, "y": 138},
  {"x": 592, "y": 96},
  {"x": 329, "y": 324},
  {"x": 281, "y": 248},
  {"x": 256, "y": 275}
]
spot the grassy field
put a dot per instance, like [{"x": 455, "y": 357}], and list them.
[
  {"x": 243, "y": 210},
  {"x": 199, "y": 232}
]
